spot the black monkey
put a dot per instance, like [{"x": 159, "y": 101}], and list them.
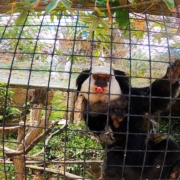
[{"x": 115, "y": 112}]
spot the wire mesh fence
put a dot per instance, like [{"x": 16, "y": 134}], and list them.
[{"x": 89, "y": 90}]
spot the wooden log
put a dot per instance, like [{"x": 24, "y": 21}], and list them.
[
  {"x": 56, "y": 171},
  {"x": 19, "y": 167}
]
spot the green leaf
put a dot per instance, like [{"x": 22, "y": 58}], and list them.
[
  {"x": 94, "y": 25},
  {"x": 52, "y": 6},
  {"x": 39, "y": 14},
  {"x": 101, "y": 2},
  {"x": 133, "y": 3},
  {"x": 52, "y": 17},
  {"x": 33, "y": 12},
  {"x": 66, "y": 4},
  {"x": 96, "y": 20},
  {"x": 98, "y": 12},
  {"x": 170, "y": 4},
  {"x": 85, "y": 19},
  {"x": 104, "y": 24},
  {"x": 89, "y": 18},
  {"x": 22, "y": 17},
  {"x": 122, "y": 18},
  {"x": 125, "y": 32},
  {"x": 31, "y": 1},
  {"x": 20, "y": 4},
  {"x": 58, "y": 16}
]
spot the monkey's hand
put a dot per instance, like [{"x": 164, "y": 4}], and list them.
[
  {"x": 173, "y": 71},
  {"x": 117, "y": 116}
]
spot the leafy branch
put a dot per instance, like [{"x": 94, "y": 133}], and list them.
[{"x": 119, "y": 10}]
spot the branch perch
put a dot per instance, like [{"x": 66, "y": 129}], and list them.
[
  {"x": 95, "y": 162},
  {"x": 49, "y": 137},
  {"x": 55, "y": 171}
]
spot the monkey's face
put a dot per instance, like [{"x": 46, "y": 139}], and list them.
[
  {"x": 101, "y": 82},
  {"x": 101, "y": 86}
]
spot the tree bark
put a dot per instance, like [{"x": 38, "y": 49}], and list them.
[{"x": 19, "y": 167}]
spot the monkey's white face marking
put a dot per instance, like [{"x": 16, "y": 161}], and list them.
[{"x": 110, "y": 92}]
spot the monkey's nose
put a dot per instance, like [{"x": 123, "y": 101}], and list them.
[{"x": 99, "y": 89}]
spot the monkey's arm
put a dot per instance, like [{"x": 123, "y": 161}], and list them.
[
  {"x": 160, "y": 145},
  {"x": 160, "y": 94},
  {"x": 165, "y": 89}
]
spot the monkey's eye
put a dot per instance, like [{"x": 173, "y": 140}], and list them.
[
  {"x": 108, "y": 78},
  {"x": 95, "y": 77}
]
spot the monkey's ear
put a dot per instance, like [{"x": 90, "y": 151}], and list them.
[
  {"x": 81, "y": 78},
  {"x": 123, "y": 80}
]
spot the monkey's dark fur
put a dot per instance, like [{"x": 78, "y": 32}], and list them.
[{"x": 131, "y": 132}]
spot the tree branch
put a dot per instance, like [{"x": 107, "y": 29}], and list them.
[
  {"x": 95, "y": 162},
  {"x": 47, "y": 131},
  {"x": 9, "y": 128},
  {"x": 55, "y": 171},
  {"x": 49, "y": 137}
]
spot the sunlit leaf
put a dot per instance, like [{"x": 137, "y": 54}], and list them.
[
  {"x": 66, "y": 4},
  {"x": 39, "y": 14},
  {"x": 22, "y": 17},
  {"x": 52, "y": 5},
  {"x": 85, "y": 19},
  {"x": 31, "y": 1},
  {"x": 104, "y": 24},
  {"x": 94, "y": 26},
  {"x": 133, "y": 3},
  {"x": 33, "y": 12},
  {"x": 20, "y": 4},
  {"x": 98, "y": 12},
  {"x": 102, "y": 3},
  {"x": 96, "y": 21},
  {"x": 52, "y": 17},
  {"x": 88, "y": 18},
  {"x": 170, "y": 4}
]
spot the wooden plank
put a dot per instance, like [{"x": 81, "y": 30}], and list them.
[{"x": 37, "y": 81}]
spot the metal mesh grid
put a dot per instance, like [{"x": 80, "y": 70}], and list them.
[{"x": 42, "y": 132}]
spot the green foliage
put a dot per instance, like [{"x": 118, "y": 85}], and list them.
[
  {"x": 55, "y": 3},
  {"x": 170, "y": 4},
  {"x": 12, "y": 112},
  {"x": 22, "y": 17},
  {"x": 75, "y": 144},
  {"x": 94, "y": 22},
  {"x": 138, "y": 34},
  {"x": 6, "y": 99},
  {"x": 122, "y": 17},
  {"x": 66, "y": 4},
  {"x": 7, "y": 172},
  {"x": 58, "y": 106},
  {"x": 54, "y": 14},
  {"x": 25, "y": 48},
  {"x": 79, "y": 144},
  {"x": 5, "y": 95},
  {"x": 101, "y": 2},
  {"x": 176, "y": 44},
  {"x": 52, "y": 5},
  {"x": 170, "y": 128}
]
